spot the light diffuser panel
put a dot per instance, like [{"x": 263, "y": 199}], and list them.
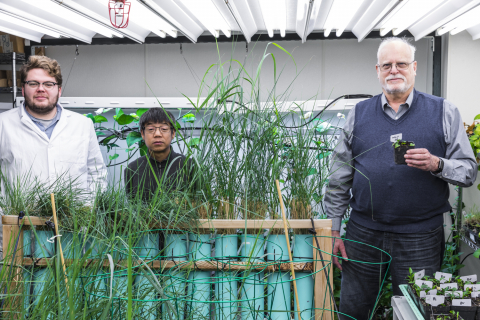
[{"x": 207, "y": 13}]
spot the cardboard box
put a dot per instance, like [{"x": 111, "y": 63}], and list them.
[
  {"x": 18, "y": 44},
  {"x": 3, "y": 74},
  {"x": 10, "y": 83},
  {"x": 40, "y": 51},
  {"x": 10, "y": 74},
  {"x": 3, "y": 83}
]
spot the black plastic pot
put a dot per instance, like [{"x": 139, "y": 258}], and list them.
[
  {"x": 467, "y": 313},
  {"x": 401, "y": 150},
  {"x": 425, "y": 309}
]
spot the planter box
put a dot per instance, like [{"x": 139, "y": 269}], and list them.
[
  {"x": 427, "y": 310},
  {"x": 434, "y": 317}
]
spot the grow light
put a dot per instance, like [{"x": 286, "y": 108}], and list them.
[
  {"x": 274, "y": 14},
  {"x": 8, "y": 18},
  {"x": 307, "y": 14},
  {"x": 340, "y": 15},
  {"x": 209, "y": 15},
  {"x": 465, "y": 21}
]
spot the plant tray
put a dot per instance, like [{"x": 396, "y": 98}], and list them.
[
  {"x": 472, "y": 235},
  {"x": 434, "y": 317},
  {"x": 427, "y": 311},
  {"x": 467, "y": 313}
]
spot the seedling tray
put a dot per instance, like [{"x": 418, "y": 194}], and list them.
[
  {"x": 425, "y": 309},
  {"x": 467, "y": 313},
  {"x": 434, "y": 317}
]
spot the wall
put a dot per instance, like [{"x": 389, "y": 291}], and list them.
[
  {"x": 324, "y": 69},
  {"x": 462, "y": 66}
]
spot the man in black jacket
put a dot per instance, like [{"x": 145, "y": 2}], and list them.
[{"x": 162, "y": 169}]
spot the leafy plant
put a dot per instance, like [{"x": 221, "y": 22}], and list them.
[{"x": 473, "y": 132}]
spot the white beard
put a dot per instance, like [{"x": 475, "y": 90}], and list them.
[{"x": 402, "y": 89}]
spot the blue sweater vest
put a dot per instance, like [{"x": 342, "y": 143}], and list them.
[{"x": 391, "y": 197}]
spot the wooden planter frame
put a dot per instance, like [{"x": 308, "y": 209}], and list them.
[{"x": 322, "y": 227}]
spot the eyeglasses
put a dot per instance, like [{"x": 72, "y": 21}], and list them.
[
  {"x": 163, "y": 130},
  {"x": 34, "y": 84},
  {"x": 400, "y": 66}
]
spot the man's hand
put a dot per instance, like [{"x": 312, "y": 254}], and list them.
[
  {"x": 421, "y": 159},
  {"x": 338, "y": 246}
]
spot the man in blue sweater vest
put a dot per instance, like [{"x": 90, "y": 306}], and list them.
[{"x": 396, "y": 208}]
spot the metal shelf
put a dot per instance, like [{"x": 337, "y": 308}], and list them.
[
  {"x": 9, "y": 90},
  {"x": 469, "y": 242}
]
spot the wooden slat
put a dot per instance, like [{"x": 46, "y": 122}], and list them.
[
  {"x": 199, "y": 265},
  {"x": 28, "y": 221},
  {"x": 263, "y": 224},
  {"x": 323, "y": 299},
  {"x": 207, "y": 224}
]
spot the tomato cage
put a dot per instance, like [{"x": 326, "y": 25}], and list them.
[{"x": 119, "y": 11}]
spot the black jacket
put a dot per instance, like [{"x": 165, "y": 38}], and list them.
[{"x": 144, "y": 175}]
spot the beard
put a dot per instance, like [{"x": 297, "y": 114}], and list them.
[
  {"x": 41, "y": 109},
  {"x": 398, "y": 89}
]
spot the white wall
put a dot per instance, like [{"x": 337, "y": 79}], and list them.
[
  {"x": 461, "y": 86},
  {"x": 326, "y": 69}
]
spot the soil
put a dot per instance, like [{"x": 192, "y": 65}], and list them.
[{"x": 400, "y": 151}]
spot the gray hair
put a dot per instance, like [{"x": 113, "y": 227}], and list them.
[{"x": 396, "y": 39}]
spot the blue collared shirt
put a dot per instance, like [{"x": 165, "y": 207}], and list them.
[{"x": 48, "y": 130}]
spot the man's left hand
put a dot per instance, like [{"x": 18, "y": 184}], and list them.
[{"x": 421, "y": 159}]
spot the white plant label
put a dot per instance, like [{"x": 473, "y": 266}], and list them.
[
  {"x": 420, "y": 283},
  {"x": 419, "y": 275},
  {"x": 435, "y": 300},
  {"x": 422, "y": 294},
  {"x": 475, "y": 287},
  {"x": 476, "y": 294},
  {"x": 449, "y": 285},
  {"x": 462, "y": 302},
  {"x": 443, "y": 277},
  {"x": 432, "y": 292},
  {"x": 394, "y": 138},
  {"x": 472, "y": 278}
]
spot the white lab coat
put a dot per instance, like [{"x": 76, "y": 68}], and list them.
[{"x": 72, "y": 152}]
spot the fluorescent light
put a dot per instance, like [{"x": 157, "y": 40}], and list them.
[
  {"x": 242, "y": 14},
  {"x": 442, "y": 15},
  {"x": 34, "y": 19},
  {"x": 274, "y": 14},
  {"x": 307, "y": 14},
  {"x": 207, "y": 13},
  {"x": 407, "y": 15},
  {"x": 341, "y": 14},
  {"x": 459, "y": 21},
  {"x": 61, "y": 12},
  {"x": 375, "y": 13},
  {"x": 173, "y": 13},
  {"x": 28, "y": 25},
  {"x": 465, "y": 21},
  {"x": 37, "y": 37}
]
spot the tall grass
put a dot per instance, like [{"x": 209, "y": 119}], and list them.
[{"x": 237, "y": 148}]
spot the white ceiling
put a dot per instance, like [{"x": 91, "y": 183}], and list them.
[{"x": 84, "y": 19}]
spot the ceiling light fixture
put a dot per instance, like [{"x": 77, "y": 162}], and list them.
[
  {"x": 208, "y": 14},
  {"x": 307, "y": 14},
  {"x": 442, "y": 15},
  {"x": 274, "y": 14},
  {"x": 63, "y": 13},
  {"x": 25, "y": 24},
  {"x": 242, "y": 14},
  {"x": 340, "y": 15},
  {"x": 376, "y": 12},
  {"x": 465, "y": 21}
]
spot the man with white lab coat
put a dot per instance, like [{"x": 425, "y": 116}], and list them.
[{"x": 41, "y": 140}]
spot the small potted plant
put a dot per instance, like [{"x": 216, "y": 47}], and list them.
[
  {"x": 471, "y": 225},
  {"x": 400, "y": 148},
  {"x": 467, "y": 312}
]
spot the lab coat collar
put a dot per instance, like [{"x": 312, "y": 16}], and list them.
[{"x": 62, "y": 122}]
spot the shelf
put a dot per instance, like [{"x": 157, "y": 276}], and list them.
[
  {"x": 6, "y": 58},
  {"x": 469, "y": 242},
  {"x": 9, "y": 90}
]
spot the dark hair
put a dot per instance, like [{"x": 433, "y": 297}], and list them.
[
  {"x": 51, "y": 66},
  {"x": 157, "y": 115}
]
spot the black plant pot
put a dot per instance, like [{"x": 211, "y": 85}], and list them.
[
  {"x": 472, "y": 235},
  {"x": 467, "y": 313},
  {"x": 433, "y": 317},
  {"x": 401, "y": 150},
  {"x": 425, "y": 309}
]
